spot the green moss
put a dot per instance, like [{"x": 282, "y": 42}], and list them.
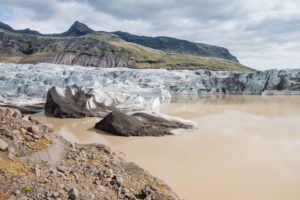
[
  {"x": 99, "y": 159},
  {"x": 160, "y": 186},
  {"x": 26, "y": 188},
  {"x": 12, "y": 166},
  {"x": 40, "y": 144}
]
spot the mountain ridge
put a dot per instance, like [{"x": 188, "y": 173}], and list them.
[
  {"x": 81, "y": 45},
  {"x": 22, "y": 31},
  {"x": 177, "y": 45}
]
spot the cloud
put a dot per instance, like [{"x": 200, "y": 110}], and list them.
[
  {"x": 141, "y": 9},
  {"x": 40, "y": 10},
  {"x": 262, "y": 34},
  {"x": 5, "y": 13}
]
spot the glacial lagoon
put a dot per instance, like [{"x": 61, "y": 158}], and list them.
[{"x": 244, "y": 147}]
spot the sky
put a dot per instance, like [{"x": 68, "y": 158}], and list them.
[{"x": 262, "y": 34}]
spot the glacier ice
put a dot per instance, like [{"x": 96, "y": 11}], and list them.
[{"x": 29, "y": 83}]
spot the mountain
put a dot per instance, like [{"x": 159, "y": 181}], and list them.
[
  {"x": 80, "y": 45},
  {"x": 6, "y": 27},
  {"x": 77, "y": 29},
  {"x": 179, "y": 46},
  {"x": 24, "y": 31}
]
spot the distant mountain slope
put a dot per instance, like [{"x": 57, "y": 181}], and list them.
[
  {"x": 81, "y": 45},
  {"x": 179, "y": 46},
  {"x": 24, "y": 31}
]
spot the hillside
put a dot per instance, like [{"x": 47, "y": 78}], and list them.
[
  {"x": 81, "y": 45},
  {"x": 178, "y": 46}
]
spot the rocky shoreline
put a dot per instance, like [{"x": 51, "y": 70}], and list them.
[{"x": 37, "y": 164}]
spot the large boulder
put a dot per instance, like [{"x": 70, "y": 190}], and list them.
[
  {"x": 77, "y": 102},
  {"x": 72, "y": 101},
  {"x": 138, "y": 124}
]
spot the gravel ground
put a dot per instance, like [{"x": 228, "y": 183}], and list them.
[{"x": 37, "y": 164}]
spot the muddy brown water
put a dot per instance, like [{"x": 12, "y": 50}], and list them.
[{"x": 245, "y": 147}]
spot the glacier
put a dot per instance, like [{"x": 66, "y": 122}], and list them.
[{"x": 23, "y": 84}]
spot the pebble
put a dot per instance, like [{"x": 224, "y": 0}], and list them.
[
  {"x": 109, "y": 173},
  {"x": 119, "y": 180},
  {"x": 73, "y": 194},
  {"x": 35, "y": 136},
  {"x": 33, "y": 129},
  {"x": 23, "y": 130},
  {"x": 11, "y": 153},
  {"x": 37, "y": 171},
  {"x": 61, "y": 169},
  {"x": 3, "y": 145},
  {"x": 101, "y": 188},
  {"x": 55, "y": 194},
  {"x": 25, "y": 118},
  {"x": 17, "y": 192},
  {"x": 28, "y": 138},
  {"x": 5, "y": 130},
  {"x": 48, "y": 194}
]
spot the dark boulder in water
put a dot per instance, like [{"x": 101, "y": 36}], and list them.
[{"x": 138, "y": 124}]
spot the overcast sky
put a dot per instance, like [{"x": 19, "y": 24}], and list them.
[{"x": 262, "y": 34}]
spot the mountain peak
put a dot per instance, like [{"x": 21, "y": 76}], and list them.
[{"x": 78, "y": 29}]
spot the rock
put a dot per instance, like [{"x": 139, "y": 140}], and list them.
[
  {"x": 138, "y": 124},
  {"x": 11, "y": 153},
  {"x": 17, "y": 192},
  {"x": 37, "y": 171},
  {"x": 119, "y": 180},
  {"x": 23, "y": 130},
  {"x": 6, "y": 130},
  {"x": 71, "y": 101},
  {"x": 78, "y": 102},
  {"x": 28, "y": 137},
  {"x": 101, "y": 188},
  {"x": 62, "y": 169},
  {"x": 34, "y": 129},
  {"x": 48, "y": 194},
  {"x": 3, "y": 145},
  {"x": 73, "y": 194},
  {"x": 55, "y": 194},
  {"x": 10, "y": 112},
  {"x": 109, "y": 173},
  {"x": 35, "y": 136}
]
